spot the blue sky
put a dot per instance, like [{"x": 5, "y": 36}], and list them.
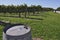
[{"x": 43, "y": 3}]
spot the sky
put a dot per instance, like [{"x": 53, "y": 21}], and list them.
[{"x": 44, "y": 3}]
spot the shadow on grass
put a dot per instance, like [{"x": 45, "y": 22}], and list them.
[
  {"x": 35, "y": 18},
  {"x": 24, "y": 17},
  {"x": 10, "y": 16}
]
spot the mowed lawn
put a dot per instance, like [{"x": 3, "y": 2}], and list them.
[{"x": 47, "y": 29}]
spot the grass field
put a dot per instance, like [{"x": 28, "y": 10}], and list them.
[{"x": 47, "y": 29}]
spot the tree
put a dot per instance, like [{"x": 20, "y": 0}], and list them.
[
  {"x": 48, "y": 9},
  {"x": 25, "y": 9},
  {"x": 33, "y": 7},
  {"x": 39, "y": 8},
  {"x": 19, "y": 10},
  {"x": 3, "y": 9},
  {"x": 58, "y": 9}
]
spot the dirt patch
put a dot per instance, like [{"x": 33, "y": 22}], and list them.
[{"x": 37, "y": 39}]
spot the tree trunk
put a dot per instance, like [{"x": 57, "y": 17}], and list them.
[
  {"x": 55, "y": 11},
  {"x": 19, "y": 14},
  {"x": 25, "y": 14},
  {"x": 33, "y": 13}
]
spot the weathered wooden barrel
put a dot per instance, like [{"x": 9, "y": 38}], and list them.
[{"x": 17, "y": 32}]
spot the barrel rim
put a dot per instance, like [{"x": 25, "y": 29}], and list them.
[{"x": 10, "y": 26}]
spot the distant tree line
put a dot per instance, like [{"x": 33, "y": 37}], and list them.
[
  {"x": 58, "y": 9},
  {"x": 23, "y": 9}
]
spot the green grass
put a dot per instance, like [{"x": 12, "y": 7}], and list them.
[{"x": 48, "y": 28}]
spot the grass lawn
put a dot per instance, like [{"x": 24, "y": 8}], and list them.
[{"x": 47, "y": 29}]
